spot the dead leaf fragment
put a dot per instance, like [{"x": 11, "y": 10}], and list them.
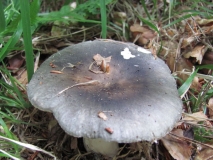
[
  {"x": 187, "y": 41},
  {"x": 16, "y": 61},
  {"x": 101, "y": 63},
  {"x": 179, "y": 149},
  {"x": 109, "y": 130},
  {"x": 197, "y": 53},
  {"x": 210, "y": 107},
  {"x": 195, "y": 117},
  {"x": 98, "y": 59},
  {"x": 204, "y": 154},
  {"x": 22, "y": 77},
  {"x": 205, "y": 22},
  {"x": 102, "y": 116},
  {"x": 142, "y": 34},
  {"x": 52, "y": 65},
  {"x": 119, "y": 18}
]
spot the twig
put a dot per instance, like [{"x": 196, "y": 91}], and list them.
[
  {"x": 190, "y": 140},
  {"x": 80, "y": 84}
]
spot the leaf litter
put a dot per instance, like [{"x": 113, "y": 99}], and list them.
[
  {"x": 182, "y": 48},
  {"x": 102, "y": 64}
]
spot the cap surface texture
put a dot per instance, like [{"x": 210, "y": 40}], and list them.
[{"x": 138, "y": 96}]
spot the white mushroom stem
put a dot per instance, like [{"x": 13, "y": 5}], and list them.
[{"x": 101, "y": 146}]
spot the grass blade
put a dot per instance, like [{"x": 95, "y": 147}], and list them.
[
  {"x": 26, "y": 25},
  {"x": 103, "y": 19},
  {"x": 208, "y": 66},
  {"x": 2, "y": 18},
  {"x": 151, "y": 25},
  {"x": 145, "y": 9},
  {"x": 30, "y": 146},
  {"x": 9, "y": 155},
  {"x": 11, "y": 43},
  {"x": 185, "y": 86},
  {"x": 180, "y": 19}
]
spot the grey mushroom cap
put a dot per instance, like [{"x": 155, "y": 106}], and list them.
[{"x": 138, "y": 96}]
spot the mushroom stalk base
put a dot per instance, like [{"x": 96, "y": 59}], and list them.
[{"x": 101, "y": 146}]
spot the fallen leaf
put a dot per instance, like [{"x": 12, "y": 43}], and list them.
[
  {"x": 102, "y": 116},
  {"x": 101, "y": 63},
  {"x": 179, "y": 149},
  {"x": 197, "y": 53},
  {"x": 171, "y": 32},
  {"x": 210, "y": 106},
  {"x": 142, "y": 34},
  {"x": 188, "y": 41},
  {"x": 49, "y": 50},
  {"x": 207, "y": 59},
  {"x": 207, "y": 29},
  {"x": 63, "y": 44},
  {"x": 204, "y": 154},
  {"x": 16, "y": 61},
  {"x": 119, "y": 18},
  {"x": 205, "y": 22},
  {"x": 195, "y": 117},
  {"x": 177, "y": 63},
  {"x": 98, "y": 59},
  {"x": 22, "y": 77}
]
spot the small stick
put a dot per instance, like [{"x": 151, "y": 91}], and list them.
[{"x": 80, "y": 84}]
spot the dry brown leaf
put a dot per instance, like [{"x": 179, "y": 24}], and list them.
[
  {"x": 178, "y": 64},
  {"x": 171, "y": 32},
  {"x": 197, "y": 53},
  {"x": 207, "y": 59},
  {"x": 119, "y": 18},
  {"x": 210, "y": 106},
  {"x": 196, "y": 85},
  {"x": 207, "y": 29},
  {"x": 22, "y": 77},
  {"x": 179, "y": 149},
  {"x": 102, "y": 116},
  {"x": 204, "y": 22},
  {"x": 98, "y": 59},
  {"x": 210, "y": 103},
  {"x": 195, "y": 117},
  {"x": 143, "y": 33},
  {"x": 50, "y": 50},
  {"x": 63, "y": 44},
  {"x": 205, "y": 154},
  {"x": 187, "y": 41},
  {"x": 16, "y": 61}
]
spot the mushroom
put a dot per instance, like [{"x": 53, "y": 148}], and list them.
[{"x": 136, "y": 100}]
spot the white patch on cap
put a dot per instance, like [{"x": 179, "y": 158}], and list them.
[
  {"x": 140, "y": 49},
  {"x": 127, "y": 54}
]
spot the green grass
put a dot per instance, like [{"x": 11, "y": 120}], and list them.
[
  {"x": 103, "y": 19},
  {"x": 21, "y": 19},
  {"x": 27, "y": 17}
]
